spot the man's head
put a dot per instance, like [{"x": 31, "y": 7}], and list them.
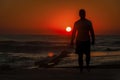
[{"x": 82, "y": 13}]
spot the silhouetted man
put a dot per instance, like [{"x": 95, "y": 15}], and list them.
[{"x": 84, "y": 34}]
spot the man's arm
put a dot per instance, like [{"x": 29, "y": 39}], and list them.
[
  {"x": 92, "y": 34},
  {"x": 73, "y": 35}
]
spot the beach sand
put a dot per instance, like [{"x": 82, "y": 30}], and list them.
[{"x": 69, "y": 73}]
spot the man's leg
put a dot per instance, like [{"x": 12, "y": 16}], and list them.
[
  {"x": 80, "y": 61},
  {"x": 88, "y": 59},
  {"x": 79, "y": 51},
  {"x": 87, "y": 53}
]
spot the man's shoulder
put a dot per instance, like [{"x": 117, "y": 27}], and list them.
[
  {"x": 87, "y": 20},
  {"x": 77, "y": 21}
]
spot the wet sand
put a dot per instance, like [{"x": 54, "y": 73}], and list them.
[{"x": 69, "y": 73}]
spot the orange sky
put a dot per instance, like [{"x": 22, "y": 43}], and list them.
[{"x": 52, "y": 16}]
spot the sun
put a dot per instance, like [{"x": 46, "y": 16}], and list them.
[{"x": 68, "y": 29}]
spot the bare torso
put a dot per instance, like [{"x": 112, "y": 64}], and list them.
[{"x": 83, "y": 28}]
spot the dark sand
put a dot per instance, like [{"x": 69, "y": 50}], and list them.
[{"x": 61, "y": 74}]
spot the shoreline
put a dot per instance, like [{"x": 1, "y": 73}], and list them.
[{"x": 98, "y": 59}]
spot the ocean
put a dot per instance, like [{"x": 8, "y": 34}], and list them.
[{"x": 25, "y": 50}]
